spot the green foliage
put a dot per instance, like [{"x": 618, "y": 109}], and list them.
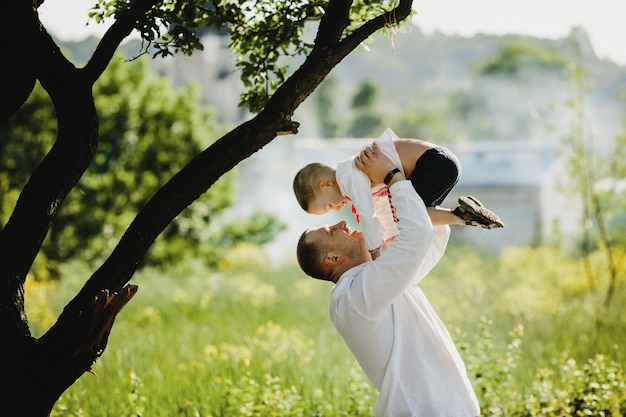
[
  {"x": 539, "y": 280},
  {"x": 595, "y": 178},
  {"x": 261, "y": 33},
  {"x": 514, "y": 56},
  {"x": 259, "y": 229},
  {"x": 492, "y": 370},
  {"x": 563, "y": 389},
  {"x": 265, "y": 35},
  {"x": 170, "y": 27},
  {"x": 24, "y": 140},
  {"x": 470, "y": 115},
  {"x": 366, "y": 125},
  {"x": 597, "y": 388},
  {"x": 148, "y": 132},
  {"x": 249, "y": 397},
  {"x": 422, "y": 123},
  {"x": 264, "y": 32},
  {"x": 367, "y": 122},
  {"x": 365, "y": 96},
  {"x": 616, "y": 219},
  {"x": 325, "y": 108},
  {"x": 543, "y": 289},
  {"x": 250, "y": 340},
  {"x": 221, "y": 344}
]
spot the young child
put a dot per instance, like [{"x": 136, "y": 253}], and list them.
[{"x": 433, "y": 170}]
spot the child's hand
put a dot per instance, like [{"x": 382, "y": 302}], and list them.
[{"x": 374, "y": 164}]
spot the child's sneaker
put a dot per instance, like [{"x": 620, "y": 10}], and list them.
[{"x": 474, "y": 213}]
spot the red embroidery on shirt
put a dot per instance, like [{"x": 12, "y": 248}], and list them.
[
  {"x": 393, "y": 209},
  {"x": 383, "y": 192},
  {"x": 356, "y": 215}
]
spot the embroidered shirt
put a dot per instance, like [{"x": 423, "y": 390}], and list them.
[{"x": 373, "y": 206}]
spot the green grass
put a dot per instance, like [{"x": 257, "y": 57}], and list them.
[{"x": 257, "y": 341}]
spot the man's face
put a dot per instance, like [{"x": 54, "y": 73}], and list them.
[
  {"x": 339, "y": 237},
  {"x": 328, "y": 198}
]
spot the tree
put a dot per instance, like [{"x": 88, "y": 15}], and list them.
[
  {"x": 367, "y": 122},
  {"x": 515, "y": 56},
  {"x": 326, "y": 109},
  {"x": 365, "y": 96},
  {"x": 423, "y": 123},
  {"x": 596, "y": 179},
  {"x": 133, "y": 102},
  {"x": 35, "y": 372}
]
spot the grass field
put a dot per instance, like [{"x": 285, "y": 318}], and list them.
[{"x": 250, "y": 340}]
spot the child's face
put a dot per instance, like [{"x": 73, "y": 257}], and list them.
[{"x": 328, "y": 198}]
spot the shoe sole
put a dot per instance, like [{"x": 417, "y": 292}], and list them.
[{"x": 475, "y": 207}]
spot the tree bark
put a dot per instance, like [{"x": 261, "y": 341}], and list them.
[{"x": 19, "y": 28}]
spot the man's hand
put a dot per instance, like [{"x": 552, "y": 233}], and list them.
[{"x": 376, "y": 165}]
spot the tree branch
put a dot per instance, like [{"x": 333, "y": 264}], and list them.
[
  {"x": 328, "y": 51},
  {"x": 124, "y": 24},
  {"x": 60, "y": 170},
  {"x": 333, "y": 23},
  {"x": 20, "y": 60},
  {"x": 398, "y": 14}
]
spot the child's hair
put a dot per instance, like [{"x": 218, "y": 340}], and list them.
[{"x": 305, "y": 182}]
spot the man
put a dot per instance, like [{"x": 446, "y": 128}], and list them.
[{"x": 383, "y": 316}]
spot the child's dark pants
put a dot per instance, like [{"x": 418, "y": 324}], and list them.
[{"x": 436, "y": 172}]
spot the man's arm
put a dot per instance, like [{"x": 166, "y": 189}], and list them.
[
  {"x": 383, "y": 280},
  {"x": 376, "y": 166}
]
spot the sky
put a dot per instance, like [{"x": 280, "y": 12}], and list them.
[{"x": 603, "y": 20}]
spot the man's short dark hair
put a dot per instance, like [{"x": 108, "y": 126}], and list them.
[{"x": 309, "y": 256}]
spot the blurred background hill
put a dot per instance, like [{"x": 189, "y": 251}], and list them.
[{"x": 447, "y": 87}]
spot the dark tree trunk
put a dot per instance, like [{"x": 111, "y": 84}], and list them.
[
  {"x": 19, "y": 28},
  {"x": 43, "y": 369}
]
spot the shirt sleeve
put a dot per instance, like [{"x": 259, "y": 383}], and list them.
[
  {"x": 435, "y": 252},
  {"x": 407, "y": 260}
]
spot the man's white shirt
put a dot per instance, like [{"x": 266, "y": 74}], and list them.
[{"x": 391, "y": 328}]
